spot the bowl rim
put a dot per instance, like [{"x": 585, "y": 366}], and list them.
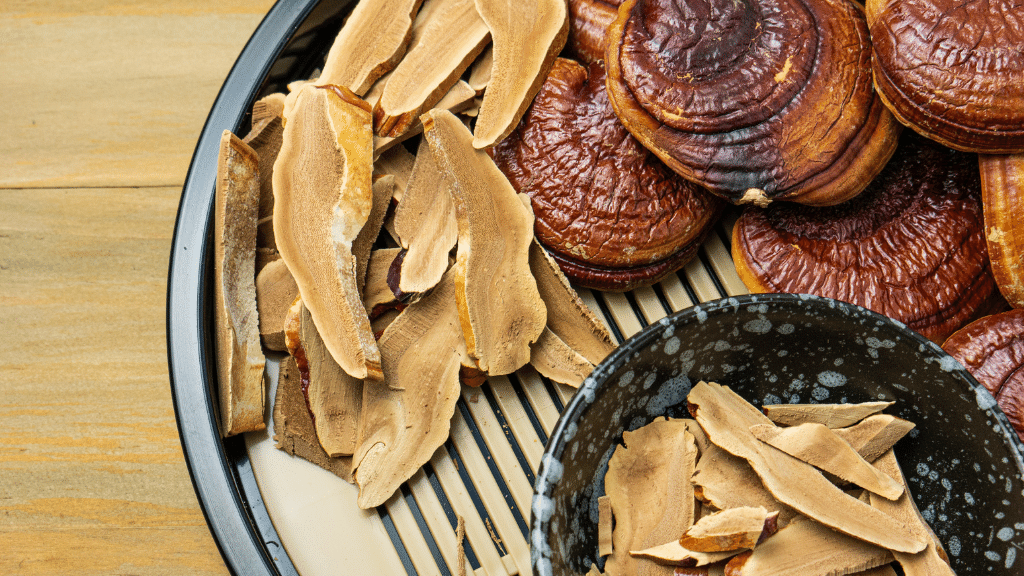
[{"x": 549, "y": 472}]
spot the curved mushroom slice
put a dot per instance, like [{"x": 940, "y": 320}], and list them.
[
  {"x": 275, "y": 292},
  {"x": 480, "y": 73},
  {"x": 377, "y": 295},
  {"x": 322, "y": 198},
  {"x": 265, "y": 139},
  {"x": 371, "y": 43},
  {"x": 499, "y": 305},
  {"x": 807, "y": 547},
  {"x": 240, "y": 359},
  {"x": 452, "y": 37},
  {"x": 875, "y": 435},
  {"x": 726, "y": 417},
  {"x": 831, "y": 415},
  {"x": 425, "y": 224},
  {"x": 818, "y": 446},
  {"x": 335, "y": 398},
  {"x": 726, "y": 481},
  {"x": 930, "y": 561},
  {"x": 652, "y": 499},
  {"x": 407, "y": 418},
  {"x": 730, "y": 530},
  {"x": 673, "y": 554},
  {"x": 527, "y": 36},
  {"x": 555, "y": 359},
  {"x": 383, "y": 190}
]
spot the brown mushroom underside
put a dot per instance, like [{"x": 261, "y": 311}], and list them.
[
  {"x": 612, "y": 214},
  {"x": 912, "y": 247}
]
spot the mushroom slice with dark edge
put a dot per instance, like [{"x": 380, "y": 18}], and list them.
[
  {"x": 730, "y": 529},
  {"x": 318, "y": 213},
  {"x": 527, "y": 36},
  {"x": 408, "y": 417},
  {"x": 275, "y": 292},
  {"x": 371, "y": 43},
  {"x": 806, "y": 548},
  {"x": 426, "y": 226},
  {"x": 818, "y": 446},
  {"x": 652, "y": 499},
  {"x": 726, "y": 417},
  {"x": 1002, "y": 194},
  {"x": 451, "y": 38},
  {"x": 726, "y": 481},
  {"x": 377, "y": 295},
  {"x": 930, "y": 561},
  {"x": 831, "y": 415},
  {"x": 335, "y": 398},
  {"x": 874, "y": 435},
  {"x": 499, "y": 305},
  {"x": 555, "y": 359},
  {"x": 265, "y": 139},
  {"x": 240, "y": 359},
  {"x": 383, "y": 190}
]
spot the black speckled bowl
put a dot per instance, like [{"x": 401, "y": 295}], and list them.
[{"x": 963, "y": 461}]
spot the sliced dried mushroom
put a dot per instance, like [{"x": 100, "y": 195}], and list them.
[
  {"x": 527, "y": 37},
  {"x": 377, "y": 295},
  {"x": 265, "y": 140},
  {"x": 425, "y": 224},
  {"x": 818, "y": 446},
  {"x": 318, "y": 214},
  {"x": 1002, "y": 194},
  {"x": 673, "y": 554},
  {"x": 383, "y": 190},
  {"x": 335, "y": 398},
  {"x": 499, "y": 305},
  {"x": 726, "y": 417},
  {"x": 451, "y": 38},
  {"x": 730, "y": 530},
  {"x": 240, "y": 359},
  {"x": 480, "y": 73},
  {"x": 407, "y": 417},
  {"x": 613, "y": 216},
  {"x": 807, "y": 547},
  {"x": 648, "y": 483},
  {"x": 875, "y": 435},
  {"x": 275, "y": 292},
  {"x": 777, "y": 103},
  {"x": 371, "y": 43},
  {"x": 831, "y": 415},
  {"x": 911, "y": 247},
  {"x": 962, "y": 82},
  {"x": 555, "y": 359},
  {"x": 604, "y": 525},
  {"x": 930, "y": 561},
  {"x": 726, "y": 481}
]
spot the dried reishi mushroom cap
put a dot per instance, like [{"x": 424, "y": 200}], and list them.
[
  {"x": 911, "y": 247},
  {"x": 588, "y": 27},
  {"x": 953, "y": 71},
  {"x": 756, "y": 101},
  {"x": 612, "y": 215},
  {"x": 992, "y": 350},
  {"x": 1002, "y": 194}
]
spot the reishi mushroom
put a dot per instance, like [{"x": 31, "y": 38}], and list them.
[{"x": 1002, "y": 193}]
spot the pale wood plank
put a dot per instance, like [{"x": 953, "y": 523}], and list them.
[
  {"x": 649, "y": 304},
  {"x": 675, "y": 293},
  {"x": 433, "y": 514},
  {"x": 518, "y": 421},
  {"x": 721, "y": 263},
  {"x": 623, "y": 313}
]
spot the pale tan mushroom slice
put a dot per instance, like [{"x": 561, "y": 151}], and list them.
[
  {"x": 293, "y": 424},
  {"x": 652, "y": 499},
  {"x": 805, "y": 548},
  {"x": 377, "y": 295},
  {"x": 383, "y": 190},
  {"x": 930, "y": 561},
  {"x": 265, "y": 139},
  {"x": 730, "y": 529},
  {"x": 831, "y": 415},
  {"x": 674, "y": 554},
  {"x": 727, "y": 418},
  {"x": 499, "y": 305},
  {"x": 567, "y": 316},
  {"x": 698, "y": 435},
  {"x": 480, "y": 72},
  {"x": 527, "y": 37},
  {"x": 240, "y": 359},
  {"x": 425, "y": 224},
  {"x": 451, "y": 38},
  {"x": 408, "y": 417},
  {"x": 458, "y": 99},
  {"x": 335, "y": 398},
  {"x": 398, "y": 162},
  {"x": 556, "y": 360},
  {"x": 322, "y": 198},
  {"x": 875, "y": 435},
  {"x": 604, "y": 525},
  {"x": 275, "y": 292},
  {"x": 818, "y": 446},
  {"x": 372, "y": 41},
  {"x": 725, "y": 481}
]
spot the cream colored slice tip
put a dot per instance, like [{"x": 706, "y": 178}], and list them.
[{"x": 831, "y": 415}]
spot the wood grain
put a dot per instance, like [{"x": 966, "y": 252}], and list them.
[{"x": 108, "y": 101}]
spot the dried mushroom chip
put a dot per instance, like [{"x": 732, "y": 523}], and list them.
[
  {"x": 831, "y": 415},
  {"x": 874, "y": 435},
  {"x": 731, "y": 529},
  {"x": 726, "y": 481},
  {"x": 673, "y": 554},
  {"x": 275, "y": 292},
  {"x": 335, "y": 398}
]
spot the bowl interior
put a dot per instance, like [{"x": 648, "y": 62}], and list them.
[{"x": 962, "y": 461}]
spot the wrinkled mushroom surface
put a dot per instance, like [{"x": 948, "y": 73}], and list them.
[
  {"x": 588, "y": 27},
  {"x": 992, "y": 350},
  {"x": 1002, "y": 193},
  {"x": 612, "y": 215},
  {"x": 912, "y": 247},
  {"x": 953, "y": 71},
  {"x": 756, "y": 101}
]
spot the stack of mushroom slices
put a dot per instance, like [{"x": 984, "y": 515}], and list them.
[{"x": 808, "y": 490}]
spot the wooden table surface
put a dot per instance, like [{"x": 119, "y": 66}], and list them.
[{"x": 104, "y": 104}]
